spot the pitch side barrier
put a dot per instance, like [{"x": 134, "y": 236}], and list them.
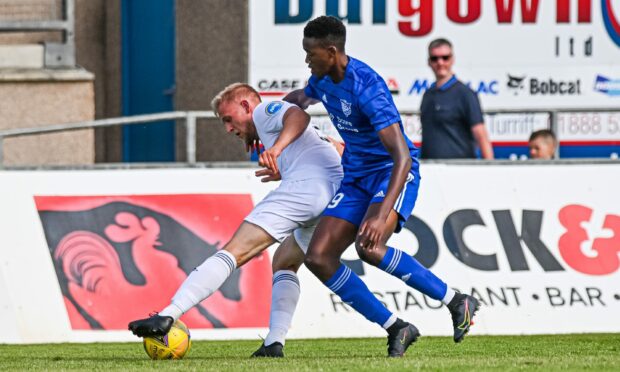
[
  {"x": 84, "y": 250},
  {"x": 596, "y": 131}
]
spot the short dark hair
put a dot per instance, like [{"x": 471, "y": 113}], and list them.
[
  {"x": 329, "y": 30},
  {"x": 544, "y": 134},
  {"x": 437, "y": 43}
]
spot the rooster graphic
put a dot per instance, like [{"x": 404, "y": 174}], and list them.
[{"x": 120, "y": 262}]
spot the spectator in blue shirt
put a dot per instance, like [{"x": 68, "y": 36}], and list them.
[{"x": 452, "y": 123}]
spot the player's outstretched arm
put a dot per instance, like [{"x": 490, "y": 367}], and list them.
[
  {"x": 299, "y": 98},
  {"x": 294, "y": 123}
]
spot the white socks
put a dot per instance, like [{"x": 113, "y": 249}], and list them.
[
  {"x": 172, "y": 310},
  {"x": 284, "y": 298},
  {"x": 208, "y": 277},
  {"x": 201, "y": 283},
  {"x": 448, "y": 296}
]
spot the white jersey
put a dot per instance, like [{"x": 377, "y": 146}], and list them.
[{"x": 309, "y": 156}]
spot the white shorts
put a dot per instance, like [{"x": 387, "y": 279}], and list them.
[{"x": 293, "y": 208}]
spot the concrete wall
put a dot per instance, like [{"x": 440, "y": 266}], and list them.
[
  {"x": 43, "y": 97},
  {"x": 98, "y": 50},
  {"x": 30, "y": 10},
  {"x": 31, "y": 96},
  {"x": 212, "y": 52}
]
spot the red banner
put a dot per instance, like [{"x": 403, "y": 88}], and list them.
[{"x": 118, "y": 258}]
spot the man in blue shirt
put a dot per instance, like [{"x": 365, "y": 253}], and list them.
[
  {"x": 378, "y": 191},
  {"x": 452, "y": 123}
]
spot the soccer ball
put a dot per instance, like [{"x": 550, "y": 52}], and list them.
[{"x": 174, "y": 345}]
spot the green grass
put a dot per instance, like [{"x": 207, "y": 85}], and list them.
[{"x": 561, "y": 352}]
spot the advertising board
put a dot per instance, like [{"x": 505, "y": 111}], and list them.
[{"x": 85, "y": 252}]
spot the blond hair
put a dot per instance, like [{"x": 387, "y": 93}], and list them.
[{"x": 232, "y": 92}]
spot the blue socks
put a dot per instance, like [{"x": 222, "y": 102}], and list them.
[
  {"x": 356, "y": 294},
  {"x": 406, "y": 268}
]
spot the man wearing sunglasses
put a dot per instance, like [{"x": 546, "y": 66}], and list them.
[{"x": 452, "y": 123}]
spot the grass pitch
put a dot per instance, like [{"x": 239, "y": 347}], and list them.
[{"x": 595, "y": 352}]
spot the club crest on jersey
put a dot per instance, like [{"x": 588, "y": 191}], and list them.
[
  {"x": 346, "y": 107},
  {"x": 273, "y": 107}
]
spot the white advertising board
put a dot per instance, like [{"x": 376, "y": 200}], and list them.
[
  {"x": 514, "y": 129},
  {"x": 538, "y": 244},
  {"x": 515, "y": 54}
]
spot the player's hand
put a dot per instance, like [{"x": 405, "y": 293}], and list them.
[
  {"x": 268, "y": 175},
  {"x": 370, "y": 233},
  {"x": 268, "y": 159}
]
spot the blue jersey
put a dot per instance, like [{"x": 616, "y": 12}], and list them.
[{"x": 359, "y": 106}]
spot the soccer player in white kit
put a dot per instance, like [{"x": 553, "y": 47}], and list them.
[{"x": 311, "y": 173}]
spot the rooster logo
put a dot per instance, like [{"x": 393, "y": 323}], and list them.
[{"x": 120, "y": 261}]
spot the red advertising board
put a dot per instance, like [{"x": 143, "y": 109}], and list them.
[{"x": 119, "y": 258}]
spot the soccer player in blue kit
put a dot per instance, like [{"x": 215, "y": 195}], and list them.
[{"x": 379, "y": 189}]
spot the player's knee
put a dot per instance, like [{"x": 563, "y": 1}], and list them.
[
  {"x": 314, "y": 262},
  {"x": 361, "y": 252},
  {"x": 290, "y": 265},
  {"x": 367, "y": 255}
]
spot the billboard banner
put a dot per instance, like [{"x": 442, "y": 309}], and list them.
[
  {"x": 515, "y": 54},
  {"x": 85, "y": 252},
  {"x": 120, "y": 257},
  {"x": 580, "y": 134}
]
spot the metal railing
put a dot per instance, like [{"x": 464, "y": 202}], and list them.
[
  {"x": 56, "y": 54},
  {"x": 189, "y": 117}
]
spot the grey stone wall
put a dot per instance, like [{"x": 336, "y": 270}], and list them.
[
  {"x": 212, "y": 52},
  {"x": 42, "y": 97}
]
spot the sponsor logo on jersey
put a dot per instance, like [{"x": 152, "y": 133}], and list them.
[
  {"x": 273, "y": 107},
  {"x": 346, "y": 107},
  {"x": 342, "y": 124},
  {"x": 607, "y": 86}
]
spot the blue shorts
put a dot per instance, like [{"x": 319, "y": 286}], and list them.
[{"x": 356, "y": 194}]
